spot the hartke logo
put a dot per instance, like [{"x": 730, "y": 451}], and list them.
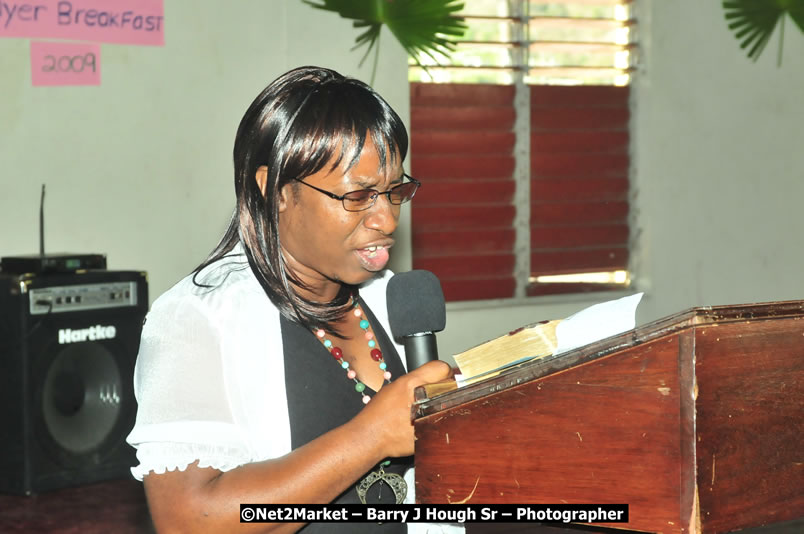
[{"x": 93, "y": 333}]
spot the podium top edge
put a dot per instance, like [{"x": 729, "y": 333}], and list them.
[
  {"x": 720, "y": 314},
  {"x": 737, "y": 312},
  {"x": 670, "y": 325}
]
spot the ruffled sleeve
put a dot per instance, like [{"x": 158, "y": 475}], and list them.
[{"x": 184, "y": 413}]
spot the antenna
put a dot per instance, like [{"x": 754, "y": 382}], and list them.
[
  {"x": 42, "y": 223},
  {"x": 49, "y": 263}
]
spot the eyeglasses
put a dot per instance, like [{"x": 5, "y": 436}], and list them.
[{"x": 363, "y": 199}]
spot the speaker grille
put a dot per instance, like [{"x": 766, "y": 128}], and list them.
[{"x": 81, "y": 397}]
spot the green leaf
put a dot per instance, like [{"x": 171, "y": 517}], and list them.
[
  {"x": 796, "y": 12},
  {"x": 421, "y": 26},
  {"x": 754, "y": 21}
]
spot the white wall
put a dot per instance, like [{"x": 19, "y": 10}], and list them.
[
  {"x": 720, "y": 165},
  {"x": 140, "y": 168}
]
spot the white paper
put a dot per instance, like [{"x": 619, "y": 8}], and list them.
[{"x": 597, "y": 322}]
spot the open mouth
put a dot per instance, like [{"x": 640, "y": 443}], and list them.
[
  {"x": 371, "y": 252},
  {"x": 374, "y": 258}
]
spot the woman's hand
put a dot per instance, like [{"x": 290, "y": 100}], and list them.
[
  {"x": 388, "y": 417},
  {"x": 206, "y": 500}
]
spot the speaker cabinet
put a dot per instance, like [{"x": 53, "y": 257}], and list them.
[{"x": 68, "y": 344}]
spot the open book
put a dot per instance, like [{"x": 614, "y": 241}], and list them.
[{"x": 541, "y": 339}]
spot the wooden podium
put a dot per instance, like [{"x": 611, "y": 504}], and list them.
[{"x": 695, "y": 421}]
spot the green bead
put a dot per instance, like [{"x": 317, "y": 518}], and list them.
[
  {"x": 359, "y": 387},
  {"x": 386, "y": 463},
  {"x": 364, "y": 324},
  {"x": 372, "y": 344},
  {"x": 383, "y": 366},
  {"x": 328, "y": 343}
]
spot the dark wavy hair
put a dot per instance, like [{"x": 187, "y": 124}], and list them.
[{"x": 304, "y": 120}]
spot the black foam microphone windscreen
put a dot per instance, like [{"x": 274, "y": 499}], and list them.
[
  {"x": 416, "y": 310},
  {"x": 415, "y": 303}
]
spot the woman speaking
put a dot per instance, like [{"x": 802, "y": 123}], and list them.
[{"x": 268, "y": 374}]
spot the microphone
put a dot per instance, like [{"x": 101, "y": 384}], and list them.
[{"x": 416, "y": 310}]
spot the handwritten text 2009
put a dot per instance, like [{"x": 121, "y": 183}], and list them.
[{"x": 70, "y": 63}]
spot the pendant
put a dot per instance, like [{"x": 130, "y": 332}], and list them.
[{"x": 394, "y": 481}]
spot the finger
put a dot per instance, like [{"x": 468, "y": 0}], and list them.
[{"x": 432, "y": 372}]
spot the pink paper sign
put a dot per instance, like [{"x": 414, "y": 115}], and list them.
[
  {"x": 139, "y": 22},
  {"x": 65, "y": 63}
]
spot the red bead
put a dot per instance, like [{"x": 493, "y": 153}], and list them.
[
  {"x": 337, "y": 353},
  {"x": 376, "y": 355}
]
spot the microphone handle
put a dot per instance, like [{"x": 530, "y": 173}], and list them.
[{"x": 420, "y": 349}]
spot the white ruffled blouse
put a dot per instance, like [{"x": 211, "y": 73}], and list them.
[{"x": 209, "y": 378}]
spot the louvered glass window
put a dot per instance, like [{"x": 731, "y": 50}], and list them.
[{"x": 521, "y": 139}]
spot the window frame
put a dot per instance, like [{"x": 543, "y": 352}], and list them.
[{"x": 521, "y": 201}]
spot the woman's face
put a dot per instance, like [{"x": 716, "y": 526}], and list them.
[{"x": 323, "y": 244}]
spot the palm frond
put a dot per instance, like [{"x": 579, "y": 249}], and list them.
[
  {"x": 754, "y": 21},
  {"x": 421, "y": 26},
  {"x": 796, "y": 12}
]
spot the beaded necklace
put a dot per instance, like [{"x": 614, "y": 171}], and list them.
[
  {"x": 394, "y": 481},
  {"x": 375, "y": 352}
]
